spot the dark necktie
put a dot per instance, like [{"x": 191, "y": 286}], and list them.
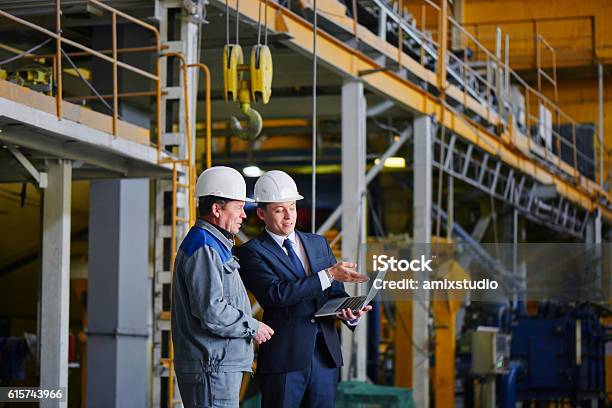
[{"x": 295, "y": 260}]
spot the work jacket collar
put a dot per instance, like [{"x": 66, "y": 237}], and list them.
[{"x": 200, "y": 223}]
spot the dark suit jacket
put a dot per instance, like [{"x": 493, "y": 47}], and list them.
[{"x": 290, "y": 301}]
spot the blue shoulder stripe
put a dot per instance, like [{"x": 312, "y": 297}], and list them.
[{"x": 198, "y": 238}]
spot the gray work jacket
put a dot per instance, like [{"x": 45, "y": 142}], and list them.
[{"x": 212, "y": 327}]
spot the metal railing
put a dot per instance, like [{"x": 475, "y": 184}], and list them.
[
  {"x": 111, "y": 56},
  {"x": 101, "y": 54},
  {"x": 553, "y": 151},
  {"x": 505, "y": 78},
  {"x": 207, "y": 113}
]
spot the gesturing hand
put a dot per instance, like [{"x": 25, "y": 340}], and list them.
[{"x": 345, "y": 272}]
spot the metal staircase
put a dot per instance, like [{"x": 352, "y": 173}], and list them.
[
  {"x": 476, "y": 77},
  {"x": 536, "y": 201}
]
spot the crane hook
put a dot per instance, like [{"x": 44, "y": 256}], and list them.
[
  {"x": 253, "y": 128},
  {"x": 254, "y": 123}
]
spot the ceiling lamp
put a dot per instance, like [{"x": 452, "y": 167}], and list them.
[
  {"x": 252, "y": 171},
  {"x": 393, "y": 162}
]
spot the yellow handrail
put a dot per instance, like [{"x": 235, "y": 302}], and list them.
[
  {"x": 206, "y": 71},
  {"x": 189, "y": 161}
]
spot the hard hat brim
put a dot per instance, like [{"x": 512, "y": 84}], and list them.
[
  {"x": 245, "y": 199},
  {"x": 285, "y": 200}
]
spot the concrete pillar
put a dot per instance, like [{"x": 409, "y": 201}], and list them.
[
  {"x": 421, "y": 229},
  {"x": 353, "y": 216},
  {"x": 189, "y": 37},
  {"x": 118, "y": 374},
  {"x": 55, "y": 280}
]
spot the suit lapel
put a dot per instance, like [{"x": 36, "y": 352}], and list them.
[{"x": 268, "y": 243}]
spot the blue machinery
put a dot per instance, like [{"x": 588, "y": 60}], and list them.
[{"x": 557, "y": 355}]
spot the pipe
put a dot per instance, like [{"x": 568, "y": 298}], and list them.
[
  {"x": 601, "y": 124},
  {"x": 206, "y": 71},
  {"x": 108, "y": 96},
  {"x": 58, "y": 58},
  {"x": 507, "y": 71},
  {"x": 442, "y": 37},
  {"x": 374, "y": 333},
  {"x": 173, "y": 258},
  {"x": 158, "y": 97},
  {"x": 115, "y": 75},
  {"x": 498, "y": 66},
  {"x": 380, "y": 108},
  {"x": 400, "y": 36},
  {"x": 508, "y": 386},
  {"x": 183, "y": 68},
  {"x": 106, "y": 52},
  {"x": 313, "y": 195}
]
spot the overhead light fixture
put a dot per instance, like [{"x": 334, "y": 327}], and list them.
[
  {"x": 252, "y": 171},
  {"x": 393, "y": 162}
]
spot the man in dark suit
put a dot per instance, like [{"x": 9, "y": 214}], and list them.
[{"x": 292, "y": 273}]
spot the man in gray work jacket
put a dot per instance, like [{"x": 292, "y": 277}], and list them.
[{"x": 212, "y": 327}]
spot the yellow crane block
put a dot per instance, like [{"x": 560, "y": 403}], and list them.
[
  {"x": 261, "y": 73},
  {"x": 232, "y": 59}
]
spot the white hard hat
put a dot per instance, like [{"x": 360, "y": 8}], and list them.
[
  {"x": 276, "y": 186},
  {"x": 223, "y": 182}
]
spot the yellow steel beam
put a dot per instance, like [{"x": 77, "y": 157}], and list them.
[
  {"x": 442, "y": 41},
  {"x": 445, "y": 313},
  {"x": 350, "y": 62},
  {"x": 402, "y": 363}
]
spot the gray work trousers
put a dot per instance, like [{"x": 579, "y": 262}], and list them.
[{"x": 215, "y": 390}]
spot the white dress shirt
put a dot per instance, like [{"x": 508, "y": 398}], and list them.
[{"x": 298, "y": 247}]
